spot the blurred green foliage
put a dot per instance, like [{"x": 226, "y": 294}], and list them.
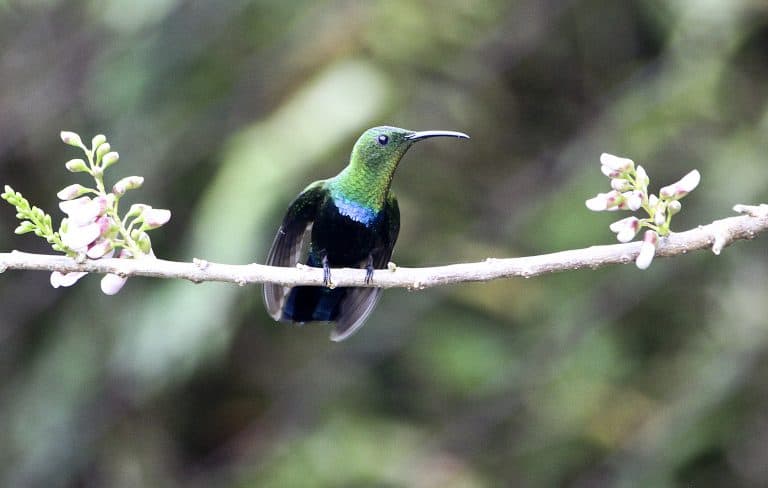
[{"x": 593, "y": 378}]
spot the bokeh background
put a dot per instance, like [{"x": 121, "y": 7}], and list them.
[{"x": 613, "y": 377}]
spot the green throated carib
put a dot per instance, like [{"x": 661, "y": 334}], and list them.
[{"x": 348, "y": 221}]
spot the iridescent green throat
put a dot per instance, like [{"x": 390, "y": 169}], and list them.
[{"x": 362, "y": 186}]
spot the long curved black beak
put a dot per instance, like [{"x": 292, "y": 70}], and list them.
[{"x": 425, "y": 134}]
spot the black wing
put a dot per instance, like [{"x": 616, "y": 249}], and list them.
[
  {"x": 290, "y": 241},
  {"x": 359, "y": 302}
]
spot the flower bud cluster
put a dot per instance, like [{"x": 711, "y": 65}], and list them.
[
  {"x": 93, "y": 227},
  {"x": 629, "y": 191}
]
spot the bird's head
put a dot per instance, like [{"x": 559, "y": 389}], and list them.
[{"x": 380, "y": 149}]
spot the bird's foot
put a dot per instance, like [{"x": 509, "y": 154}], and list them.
[
  {"x": 327, "y": 273},
  {"x": 369, "y": 270}
]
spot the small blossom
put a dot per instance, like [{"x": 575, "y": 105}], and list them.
[
  {"x": 634, "y": 200},
  {"x": 98, "y": 141},
  {"x": 127, "y": 183},
  {"x": 77, "y": 237},
  {"x": 103, "y": 149},
  {"x": 660, "y": 216},
  {"x": 82, "y": 210},
  {"x": 610, "y": 173},
  {"x": 616, "y": 163},
  {"x": 100, "y": 248},
  {"x": 620, "y": 184},
  {"x": 112, "y": 283},
  {"x": 109, "y": 159},
  {"x": 76, "y": 165},
  {"x": 65, "y": 279},
  {"x": 605, "y": 201},
  {"x": 71, "y": 138},
  {"x": 647, "y": 249},
  {"x": 626, "y": 229},
  {"x": 71, "y": 191},
  {"x": 85, "y": 222},
  {"x": 674, "y": 207},
  {"x": 683, "y": 187},
  {"x": 155, "y": 217},
  {"x": 641, "y": 177}
]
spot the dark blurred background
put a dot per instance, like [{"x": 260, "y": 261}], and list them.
[{"x": 229, "y": 108}]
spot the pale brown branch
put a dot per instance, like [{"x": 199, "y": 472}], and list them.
[{"x": 714, "y": 236}]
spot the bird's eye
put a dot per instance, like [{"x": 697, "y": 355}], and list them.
[{"x": 383, "y": 140}]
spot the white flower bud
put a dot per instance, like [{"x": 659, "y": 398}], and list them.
[
  {"x": 634, "y": 200},
  {"x": 76, "y": 166},
  {"x": 625, "y": 229},
  {"x": 112, "y": 283},
  {"x": 683, "y": 187},
  {"x": 673, "y": 207},
  {"x": 605, "y": 201},
  {"x": 109, "y": 159},
  {"x": 127, "y": 183},
  {"x": 610, "y": 173},
  {"x": 647, "y": 249},
  {"x": 660, "y": 217},
  {"x": 620, "y": 184},
  {"x": 155, "y": 217},
  {"x": 100, "y": 249},
  {"x": 65, "y": 279},
  {"x": 136, "y": 210},
  {"x": 641, "y": 177},
  {"x": 71, "y": 138},
  {"x": 82, "y": 210},
  {"x": 617, "y": 163},
  {"x": 98, "y": 141},
  {"x": 78, "y": 237},
  {"x": 103, "y": 149}
]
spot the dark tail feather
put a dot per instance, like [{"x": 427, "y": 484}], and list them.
[{"x": 313, "y": 303}]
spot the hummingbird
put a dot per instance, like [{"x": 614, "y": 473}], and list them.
[{"x": 349, "y": 221}]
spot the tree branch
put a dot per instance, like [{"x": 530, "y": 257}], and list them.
[{"x": 714, "y": 236}]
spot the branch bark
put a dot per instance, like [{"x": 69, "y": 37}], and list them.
[{"x": 714, "y": 236}]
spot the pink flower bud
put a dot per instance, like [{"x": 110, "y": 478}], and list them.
[
  {"x": 71, "y": 191},
  {"x": 127, "y": 183},
  {"x": 683, "y": 187},
  {"x": 625, "y": 229},
  {"x": 647, "y": 249}
]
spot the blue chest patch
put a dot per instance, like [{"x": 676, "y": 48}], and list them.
[{"x": 355, "y": 211}]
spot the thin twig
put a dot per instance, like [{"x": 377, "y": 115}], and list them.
[{"x": 714, "y": 236}]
